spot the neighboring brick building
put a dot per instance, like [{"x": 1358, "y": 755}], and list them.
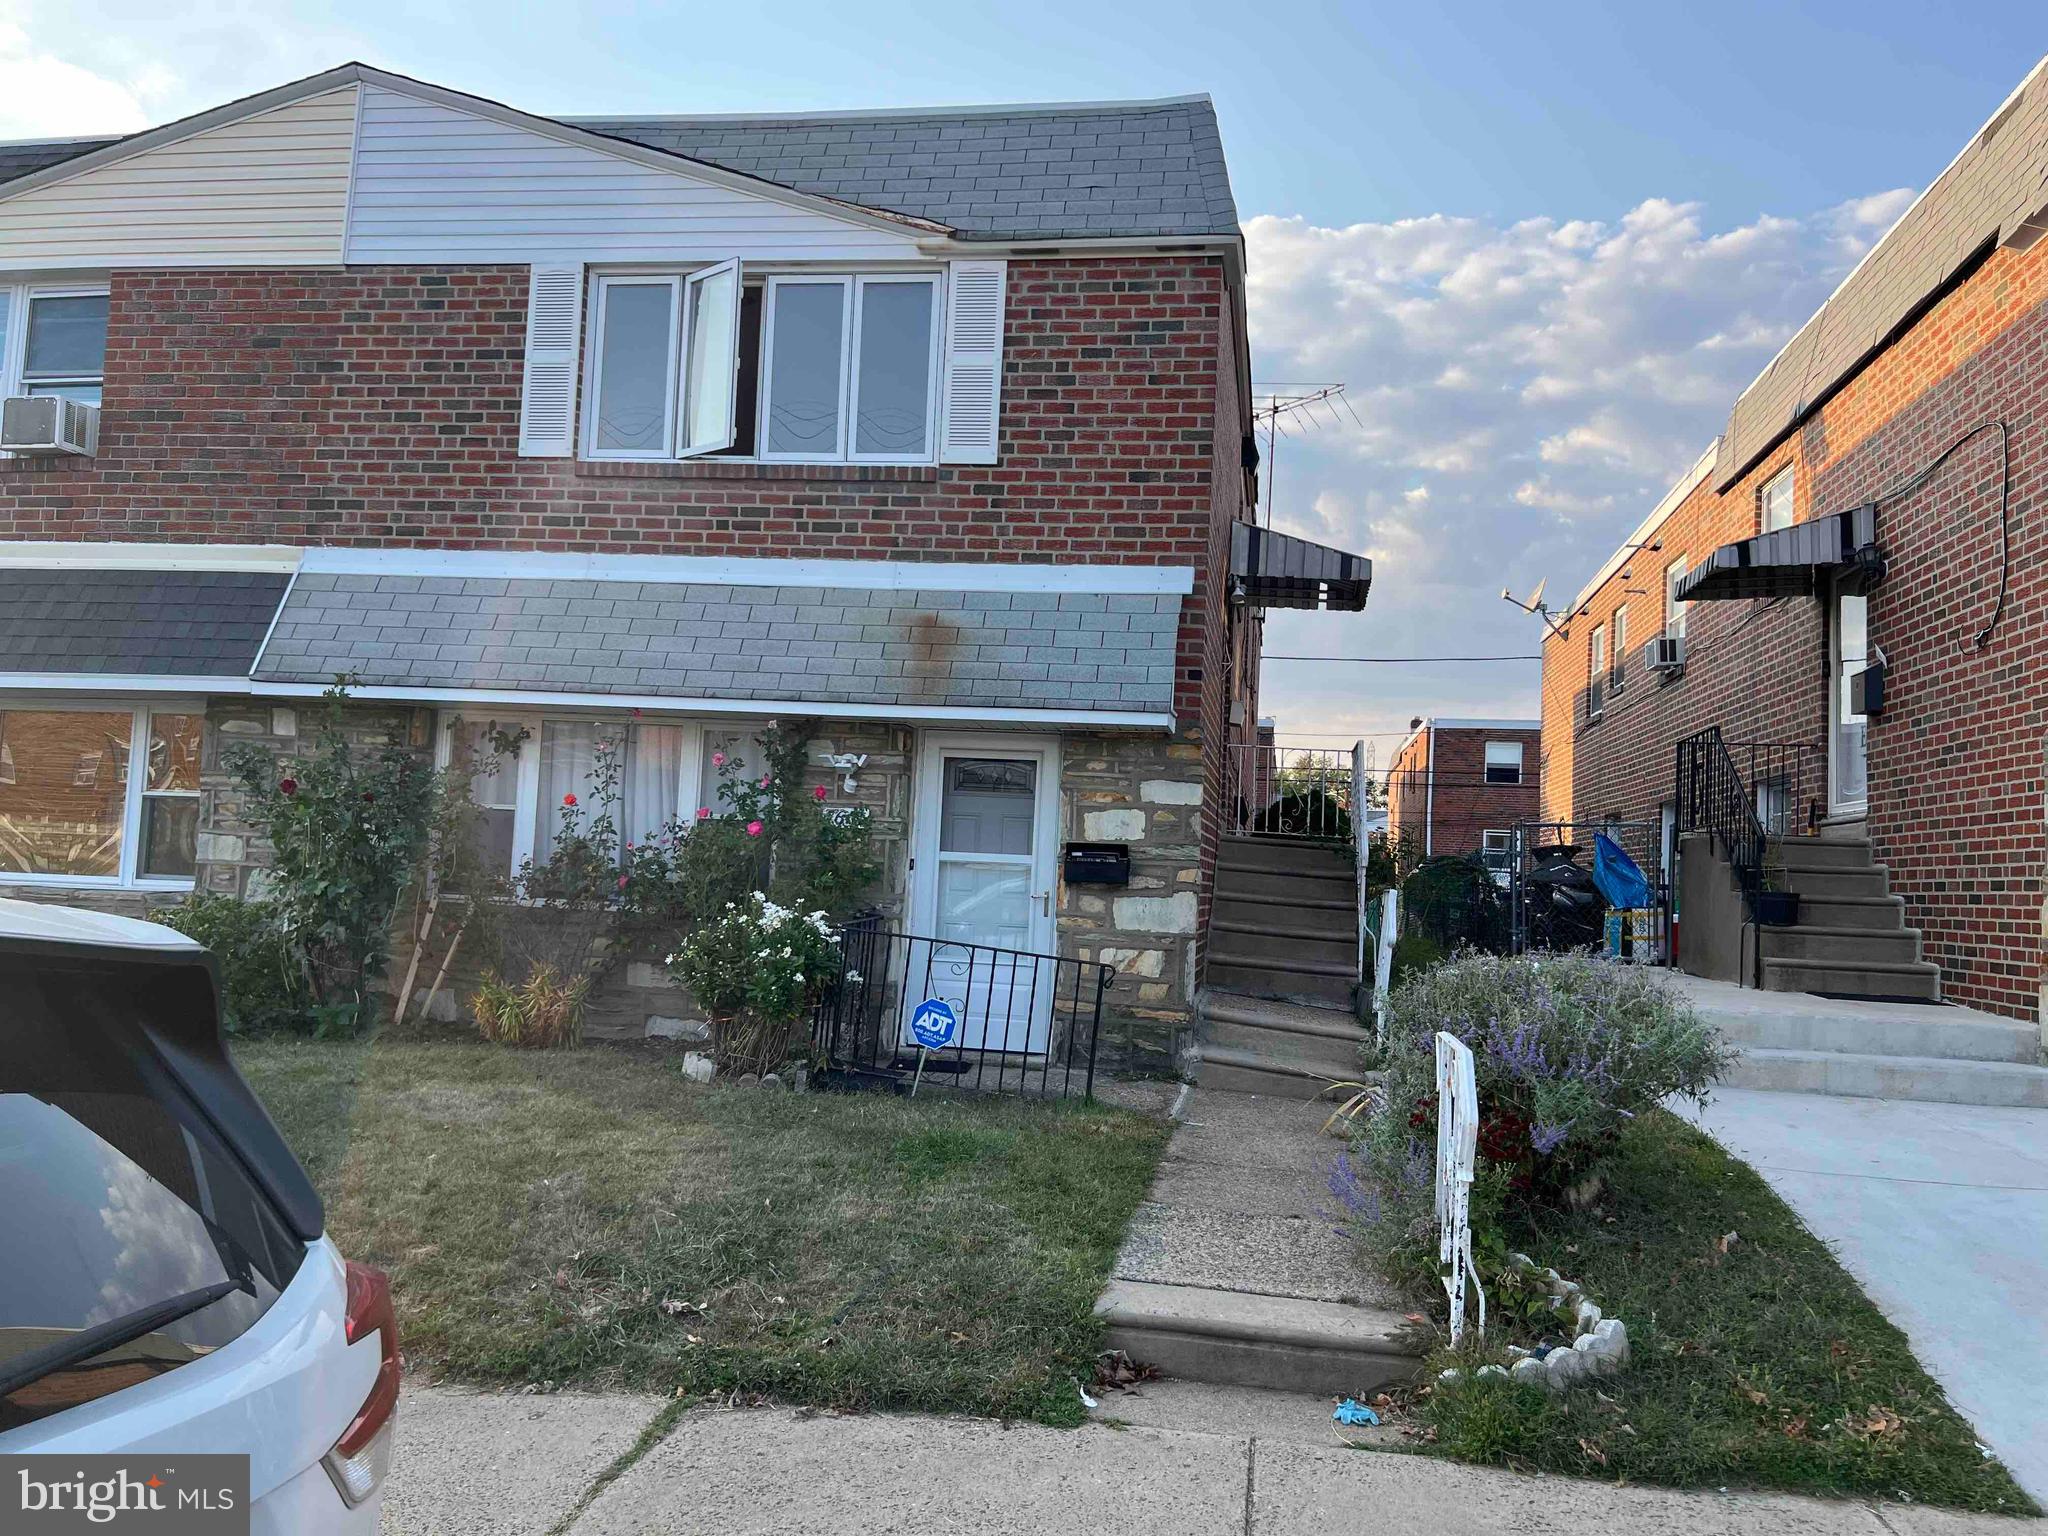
[
  {"x": 1463, "y": 786},
  {"x": 1853, "y": 515},
  {"x": 930, "y": 425}
]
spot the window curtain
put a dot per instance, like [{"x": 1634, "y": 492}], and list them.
[{"x": 654, "y": 765}]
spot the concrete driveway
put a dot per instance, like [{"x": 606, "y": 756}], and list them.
[{"x": 1941, "y": 1213}]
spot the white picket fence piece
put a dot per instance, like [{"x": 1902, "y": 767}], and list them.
[
  {"x": 1457, "y": 1159},
  {"x": 1383, "y": 961}
]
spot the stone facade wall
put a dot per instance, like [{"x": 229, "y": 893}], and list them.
[{"x": 1147, "y": 791}]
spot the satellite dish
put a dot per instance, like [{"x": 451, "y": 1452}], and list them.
[{"x": 1536, "y": 597}]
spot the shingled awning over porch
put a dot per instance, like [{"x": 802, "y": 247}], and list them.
[
  {"x": 1278, "y": 570},
  {"x": 1789, "y": 562}
]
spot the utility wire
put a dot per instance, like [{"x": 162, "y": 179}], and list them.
[{"x": 1392, "y": 660}]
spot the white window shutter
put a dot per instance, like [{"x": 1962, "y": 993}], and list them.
[
  {"x": 554, "y": 322},
  {"x": 972, "y": 409}
]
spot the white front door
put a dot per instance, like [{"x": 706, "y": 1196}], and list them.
[
  {"x": 1848, "y": 765},
  {"x": 983, "y": 886}
]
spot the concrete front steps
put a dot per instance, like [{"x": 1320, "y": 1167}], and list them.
[
  {"x": 1869, "y": 1049},
  {"x": 1284, "y": 920},
  {"x": 1285, "y": 1050},
  {"x": 1281, "y": 1343},
  {"x": 1234, "y": 1271},
  {"x": 1851, "y": 938}
]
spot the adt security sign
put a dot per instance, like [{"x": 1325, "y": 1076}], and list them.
[{"x": 934, "y": 1024}]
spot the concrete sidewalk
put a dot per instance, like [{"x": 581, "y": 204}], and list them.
[
  {"x": 1940, "y": 1211},
  {"x": 1222, "y": 1464}
]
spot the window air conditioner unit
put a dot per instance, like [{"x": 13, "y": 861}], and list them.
[
  {"x": 1667, "y": 653},
  {"x": 49, "y": 424}
]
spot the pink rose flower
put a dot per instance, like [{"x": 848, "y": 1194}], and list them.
[
  {"x": 753, "y": 829},
  {"x": 764, "y": 781},
  {"x": 718, "y": 759},
  {"x": 622, "y": 882},
  {"x": 703, "y": 813},
  {"x": 819, "y": 792}
]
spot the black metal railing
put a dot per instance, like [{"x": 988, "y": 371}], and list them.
[
  {"x": 1788, "y": 780},
  {"x": 1028, "y": 1023},
  {"x": 1713, "y": 798}
]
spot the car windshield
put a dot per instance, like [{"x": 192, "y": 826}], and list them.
[{"x": 117, "y": 1197}]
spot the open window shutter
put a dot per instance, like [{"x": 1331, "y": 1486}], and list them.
[
  {"x": 711, "y": 359},
  {"x": 974, "y": 363},
  {"x": 554, "y": 321}
]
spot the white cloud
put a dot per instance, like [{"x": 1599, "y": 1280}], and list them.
[
  {"x": 1528, "y": 391},
  {"x": 42, "y": 96}
]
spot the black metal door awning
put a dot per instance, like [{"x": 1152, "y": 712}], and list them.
[
  {"x": 1277, "y": 570},
  {"x": 1787, "y": 563}
]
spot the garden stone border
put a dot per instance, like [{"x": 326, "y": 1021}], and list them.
[{"x": 1599, "y": 1346}]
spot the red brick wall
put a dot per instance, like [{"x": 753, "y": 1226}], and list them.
[
  {"x": 379, "y": 406},
  {"x": 1955, "y": 760},
  {"x": 1463, "y": 805}
]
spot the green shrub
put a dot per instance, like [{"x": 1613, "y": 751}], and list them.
[
  {"x": 262, "y": 985},
  {"x": 756, "y": 972},
  {"x": 1567, "y": 1049}
]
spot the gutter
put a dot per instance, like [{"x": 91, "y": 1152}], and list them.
[{"x": 1429, "y": 805}]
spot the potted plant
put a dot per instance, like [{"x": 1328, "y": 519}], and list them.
[
  {"x": 756, "y": 972},
  {"x": 1776, "y": 906}
]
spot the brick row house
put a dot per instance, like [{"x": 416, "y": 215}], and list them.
[
  {"x": 1463, "y": 787},
  {"x": 1817, "y": 659},
  {"x": 931, "y": 426}
]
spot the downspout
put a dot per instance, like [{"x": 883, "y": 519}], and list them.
[{"x": 1429, "y": 803}]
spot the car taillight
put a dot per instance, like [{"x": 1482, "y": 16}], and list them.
[{"x": 362, "y": 1456}]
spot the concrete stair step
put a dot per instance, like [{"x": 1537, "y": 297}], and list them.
[
  {"x": 1218, "y": 1006},
  {"x": 1854, "y": 978},
  {"x": 1929, "y": 1079},
  {"x": 1872, "y": 912},
  {"x": 1272, "y": 944},
  {"x": 1809, "y": 942},
  {"x": 1330, "y": 919},
  {"x": 1285, "y": 853},
  {"x": 1238, "y": 1338},
  {"x": 1234, "y": 883},
  {"x": 1823, "y": 853},
  {"x": 1270, "y": 1071},
  {"x": 1833, "y": 880},
  {"x": 1336, "y": 1057},
  {"x": 1948, "y": 1034},
  {"x": 1265, "y": 975}
]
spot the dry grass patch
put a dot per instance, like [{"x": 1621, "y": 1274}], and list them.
[{"x": 590, "y": 1218}]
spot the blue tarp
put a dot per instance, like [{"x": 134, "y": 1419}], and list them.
[{"x": 1620, "y": 881}]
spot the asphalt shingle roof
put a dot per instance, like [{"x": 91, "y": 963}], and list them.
[
  {"x": 139, "y": 622},
  {"x": 1146, "y": 168},
  {"x": 1121, "y": 168},
  {"x": 1082, "y": 652}
]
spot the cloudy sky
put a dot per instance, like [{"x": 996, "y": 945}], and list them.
[{"x": 1543, "y": 246}]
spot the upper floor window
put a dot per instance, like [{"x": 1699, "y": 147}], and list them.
[
  {"x": 1674, "y": 610},
  {"x": 1616, "y": 674},
  {"x": 1774, "y": 501},
  {"x": 53, "y": 341},
  {"x": 1503, "y": 762},
  {"x": 1596, "y": 671},
  {"x": 809, "y": 368}
]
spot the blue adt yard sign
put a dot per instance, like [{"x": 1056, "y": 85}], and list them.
[{"x": 934, "y": 1024}]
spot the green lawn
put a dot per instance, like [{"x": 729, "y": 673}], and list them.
[
  {"x": 1761, "y": 1366},
  {"x": 590, "y": 1218}
]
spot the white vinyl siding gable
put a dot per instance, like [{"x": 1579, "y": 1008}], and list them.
[
  {"x": 436, "y": 184},
  {"x": 270, "y": 190}
]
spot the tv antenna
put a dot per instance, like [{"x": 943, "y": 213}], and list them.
[{"x": 1285, "y": 409}]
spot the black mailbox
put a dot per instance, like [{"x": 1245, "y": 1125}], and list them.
[
  {"x": 1098, "y": 864},
  {"x": 1866, "y": 690}
]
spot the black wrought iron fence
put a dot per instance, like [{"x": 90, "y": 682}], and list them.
[
  {"x": 1713, "y": 797},
  {"x": 1025, "y": 1023}
]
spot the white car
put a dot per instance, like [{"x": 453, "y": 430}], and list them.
[{"x": 165, "y": 1283}]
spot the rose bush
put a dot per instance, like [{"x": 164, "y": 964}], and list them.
[{"x": 755, "y": 972}]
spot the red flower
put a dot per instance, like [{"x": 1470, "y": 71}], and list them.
[
  {"x": 368, "y": 798},
  {"x": 819, "y": 792},
  {"x": 568, "y": 799},
  {"x": 288, "y": 786},
  {"x": 703, "y": 813},
  {"x": 622, "y": 882},
  {"x": 753, "y": 829}
]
